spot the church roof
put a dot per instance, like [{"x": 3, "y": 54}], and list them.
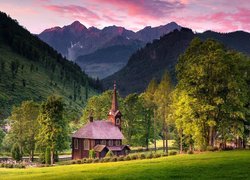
[{"x": 99, "y": 129}]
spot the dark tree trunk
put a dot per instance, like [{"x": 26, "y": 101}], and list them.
[
  {"x": 163, "y": 142},
  {"x": 181, "y": 144},
  {"x": 166, "y": 138},
  {"x": 154, "y": 132},
  {"x": 52, "y": 156},
  {"x": 211, "y": 136}
]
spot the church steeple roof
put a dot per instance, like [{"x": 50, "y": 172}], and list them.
[{"x": 114, "y": 106}]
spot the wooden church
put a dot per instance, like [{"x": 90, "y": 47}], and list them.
[{"x": 101, "y": 135}]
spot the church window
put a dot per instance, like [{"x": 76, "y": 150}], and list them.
[
  {"x": 117, "y": 143},
  {"x": 117, "y": 121},
  {"x": 103, "y": 142},
  {"x": 86, "y": 144},
  {"x": 76, "y": 143},
  {"x": 110, "y": 142}
]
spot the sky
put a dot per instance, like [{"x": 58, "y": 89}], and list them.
[{"x": 199, "y": 15}]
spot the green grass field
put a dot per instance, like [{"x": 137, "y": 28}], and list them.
[{"x": 210, "y": 165}]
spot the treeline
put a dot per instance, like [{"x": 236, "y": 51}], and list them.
[
  {"x": 31, "y": 47},
  {"x": 41, "y": 128},
  {"x": 208, "y": 108}
]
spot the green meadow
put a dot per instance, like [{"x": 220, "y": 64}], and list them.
[{"x": 208, "y": 165}]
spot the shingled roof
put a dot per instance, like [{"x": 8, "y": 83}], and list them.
[{"x": 99, "y": 129}]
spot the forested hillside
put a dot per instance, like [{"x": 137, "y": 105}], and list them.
[
  {"x": 30, "y": 69},
  {"x": 151, "y": 61}
]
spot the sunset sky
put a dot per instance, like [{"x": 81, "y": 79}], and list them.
[{"x": 200, "y": 15}]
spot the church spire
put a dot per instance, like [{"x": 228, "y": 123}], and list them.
[
  {"x": 115, "y": 115},
  {"x": 114, "y": 106}
]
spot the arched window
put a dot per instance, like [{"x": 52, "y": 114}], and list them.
[{"x": 86, "y": 144}]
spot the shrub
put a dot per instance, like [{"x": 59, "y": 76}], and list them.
[
  {"x": 47, "y": 156},
  {"x": 142, "y": 156},
  {"x": 84, "y": 160},
  {"x": 171, "y": 153},
  {"x": 89, "y": 161},
  {"x": 134, "y": 157},
  {"x": 190, "y": 152},
  {"x": 96, "y": 160},
  {"x": 42, "y": 158},
  {"x": 91, "y": 154},
  {"x": 73, "y": 162},
  {"x": 106, "y": 159},
  {"x": 19, "y": 166},
  {"x": 210, "y": 148},
  {"x": 140, "y": 149},
  {"x": 156, "y": 155},
  {"x": 120, "y": 158},
  {"x": 109, "y": 154},
  {"x": 16, "y": 152},
  {"x": 127, "y": 158},
  {"x": 149, "y": 156},
  {"x": 164, "y": 154},
  {"x": 113, "y": 159}
]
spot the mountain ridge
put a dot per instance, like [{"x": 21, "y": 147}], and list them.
[
  {"x": 151, "y": 61},
  {"x": 75, "y": 42}
]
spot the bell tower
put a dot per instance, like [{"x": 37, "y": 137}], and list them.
[{"x": 115, "y": 115}]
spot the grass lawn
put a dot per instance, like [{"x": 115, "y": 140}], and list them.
[{"x": 210, "y": 165}]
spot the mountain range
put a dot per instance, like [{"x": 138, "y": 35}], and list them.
[
  {"x": 151, "y": 61},
  {"x": 101, "y": 52}
]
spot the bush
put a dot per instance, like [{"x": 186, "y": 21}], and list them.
[
  {"x": 109, "y": 154},
  {"x": 190, "y": 152},
  {"x": 140, "y": 149},
  {"x": 149, "y": 156},
  {"x": 127, "y": 158},
  {"x": 134, "y": 156},
  {"x": 42, "y": 158},
  {"x": 89, "y": 161},
  {"x": 142, "y": 156},
  {"x": 113, "y": 159},
  {"x": 120, "y": 158},
  {"x": 171, "y": 153},
  {"x": 20, "y": 166},
  {"x": 164, "y": 154},
  {"x": 156, "y": 155},
  {"x": 16, "y": 152},
  {"x": 96, "y": 160},
  {"x": 91, "y": 154},
  {"x": 106, "y": 159},
  {"x": 73, "y": 162},
  {"x": 84, "y": 160},
  {"x": 47, "y": 156}
]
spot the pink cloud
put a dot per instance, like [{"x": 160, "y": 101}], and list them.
[
  {"x": 79, "y": 12},
  {"x": 218, "y": 21},
  {"x": 151, "y": 8}
]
